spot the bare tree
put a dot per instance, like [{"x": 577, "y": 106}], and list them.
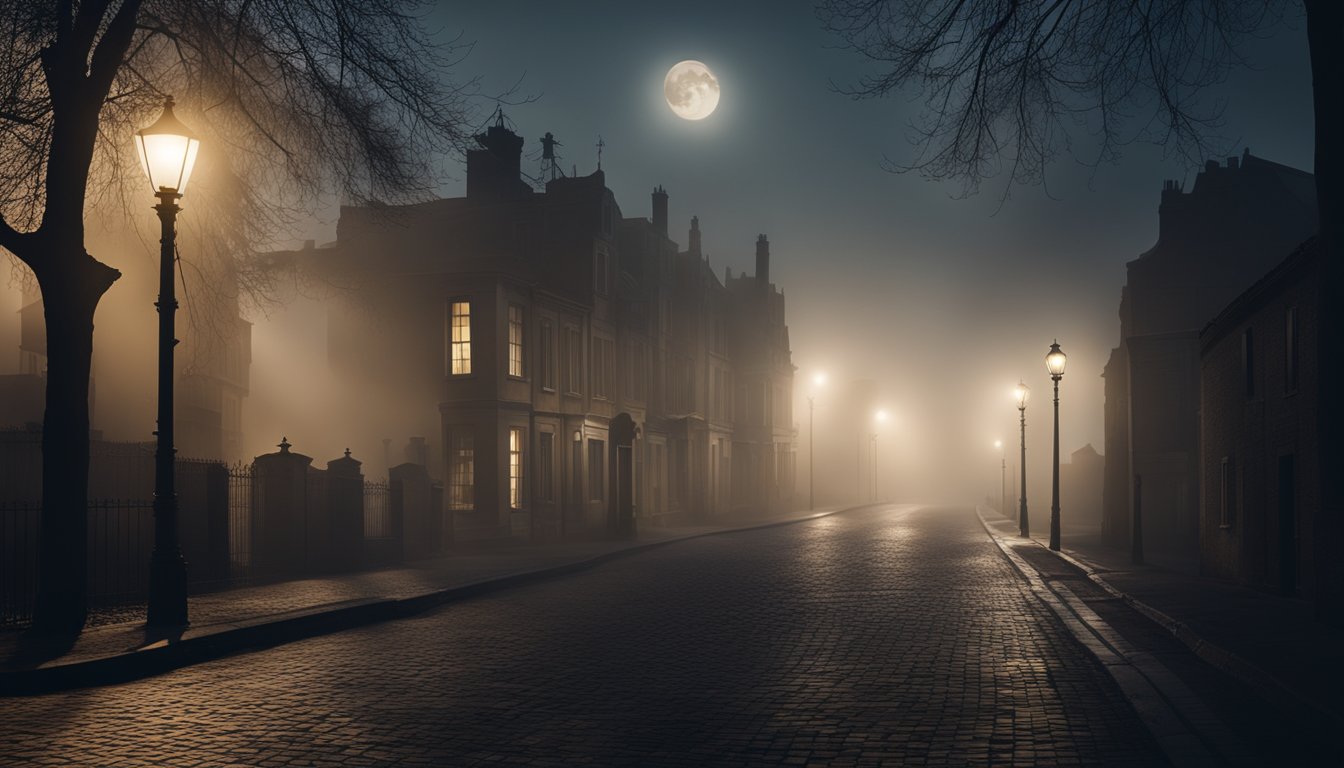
[
  {"x": 292, "y": 97},
  {"x": 1003, "y": 79}
]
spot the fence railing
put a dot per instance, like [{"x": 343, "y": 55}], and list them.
[
  {"x": 377, "y": 513},
  {"x": 220, "y": 511}
]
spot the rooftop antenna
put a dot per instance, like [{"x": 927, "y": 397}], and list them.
[
  {"x": 549, "y": 159},
  {"x": 600, "y": 145}
]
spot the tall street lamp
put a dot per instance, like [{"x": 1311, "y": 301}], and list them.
[
  {"x": 167, "y": 152},
  {"x": 1054, "y": 363},
  {"x": 818, "y": 381},
  {"x": 1023, "y": 394},
  {"x": 1003, "y": 477}
]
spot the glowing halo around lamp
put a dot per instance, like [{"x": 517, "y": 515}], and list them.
[
  {"x": 819, "y": 378},
  {"x": 691, "y": 90},
  {"x": 167, "y": 151}
]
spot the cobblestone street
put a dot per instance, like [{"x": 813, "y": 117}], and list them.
[{"x": 894, "y": 635}]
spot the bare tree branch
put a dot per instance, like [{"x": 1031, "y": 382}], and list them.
[{"x": 1007, "y": 83}]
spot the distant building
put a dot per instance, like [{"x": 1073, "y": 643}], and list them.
[
  {"x": 213, "y": 359},
  {"x": 1259, "y": 430},
  {"x": 1080, "y": 487},
  {"x": 525, "y": 321},
  {"x": 1213, "y": 242}
]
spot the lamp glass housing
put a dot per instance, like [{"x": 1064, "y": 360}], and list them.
[
  {"x": 1023, "y": 394},
  {"x": 1055, "y": 360},
  {"x": 167, "y": 151}
]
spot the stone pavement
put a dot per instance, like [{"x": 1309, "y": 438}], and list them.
[
  {"x": 882, "y": 636},
  {"x": 120, "y": 632},
  {"x": 1272, "y": 641},
  {"x": 1257, "y": 662}
]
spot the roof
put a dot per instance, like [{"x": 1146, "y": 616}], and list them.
[{"x": 1290, "y": 270}]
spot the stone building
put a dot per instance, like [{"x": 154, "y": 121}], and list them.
[
  {"x": 1080, "y": 486},
  {"x": 523, "y": 322},
  {"x": 1213, "y": 242},
  {"x": 1260, "y": 463}
]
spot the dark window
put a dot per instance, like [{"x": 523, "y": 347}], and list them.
[
  {"x": 1248, "y": 360},
  {"x": 573, "y": 353},
  {"x": 1228, "y": 508},
  {"x": 1290, "y": 350},
  {"x": 597, "y": 470},
  {"x": 546, "y": 470},
  {"x": 547, "y": 355},
  {"x": 462, "y": 485}
]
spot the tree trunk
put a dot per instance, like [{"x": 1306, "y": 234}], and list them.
[
  {"x": 70, "y": 296},
  {"x": 1325, "y": 35}
]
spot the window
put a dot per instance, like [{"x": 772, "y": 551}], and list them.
[
  {"x": 516, "y": 467},
  {"x": 597, "y": 470},
  {"x": 600, "y": 271},
  {"x": 459, "y": 338},
  {"x": 546, "y": 466},
  {"x": 1228, "y": 507},
  {"x": 547, "y": 355},
  {"x": 1248, "y": 360},
  {"x": 515, "y": 340},
  {"x": 604, "y": 368},
  {"x": 462, "y": 473},
  {"x": 1290, "y": 350},
  {"x": 573, "y": 353}
]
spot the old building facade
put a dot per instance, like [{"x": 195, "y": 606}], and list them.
[
  {"x": 524, "y": 322},
  {"x": 1258, "y": 421},
  {"x": 1213, "y": 242}
]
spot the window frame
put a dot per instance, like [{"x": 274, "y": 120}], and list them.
[
  {"x": 458, "y": 499},
  {"x": 517, "y": 349},
  {"x": 453, "y": 344},
  {"x": 517, "y": 458}
]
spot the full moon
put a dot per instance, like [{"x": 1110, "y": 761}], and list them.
[{"x": 692, "y": 91}]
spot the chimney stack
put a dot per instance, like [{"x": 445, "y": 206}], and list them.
[
  {"x": 763, "y": 261},
  {"x": 660, "y": 210},
  {"x": 694, "y": 237}
]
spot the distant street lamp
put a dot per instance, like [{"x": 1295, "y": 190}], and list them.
[
  {"x": 818, "y": 381},
  {"x": 1054, "y": 363},
  {"x": 1023, "y": 394},
  {"x": 167, "y": 151},
  {"x": 1003, "y": 478}
]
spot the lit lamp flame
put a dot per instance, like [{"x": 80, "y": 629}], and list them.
[{"x": 167, "y": 151}]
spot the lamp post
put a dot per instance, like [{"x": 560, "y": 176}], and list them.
[
  {"x": 1054, "y": 363},
  {"x": 1003, "y": 477},
  {"x": 167, "y": 151},
  {"x": 1023, "y": 394},
  {"x": 819, "y": 381}
]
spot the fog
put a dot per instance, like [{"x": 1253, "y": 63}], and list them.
[{"x": 941, "y": 303}]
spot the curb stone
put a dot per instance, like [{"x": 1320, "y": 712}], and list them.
[
  {"x": 1215, "y": 655},
  {"x": 1181, "y": 724},
  {"x": 278, "y": 629}
]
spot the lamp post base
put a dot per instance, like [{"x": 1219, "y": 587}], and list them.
[{"x": 167, "y": 590}]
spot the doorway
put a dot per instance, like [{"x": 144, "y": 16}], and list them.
[{"x": 1288, "y": 544}]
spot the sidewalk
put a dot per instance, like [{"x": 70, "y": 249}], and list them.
[
  {"x": 262, "y": 616},
  {"x": 1268, "y": 642}
]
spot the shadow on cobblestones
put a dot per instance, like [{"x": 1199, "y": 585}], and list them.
[{"x": 888, "y": 635}]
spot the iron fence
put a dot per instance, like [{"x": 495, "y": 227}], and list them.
[
  {"x": 242, "y": 502},
  {"x": 18, "y": 560},
  {"x": 377, "y": 512}
]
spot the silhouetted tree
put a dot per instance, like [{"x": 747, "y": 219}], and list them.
[
  {"x": 1000, "y": 78},
  {"x": 291, "y": 97}
]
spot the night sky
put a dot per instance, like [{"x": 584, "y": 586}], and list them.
[{"x": 945, "y": 302}]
